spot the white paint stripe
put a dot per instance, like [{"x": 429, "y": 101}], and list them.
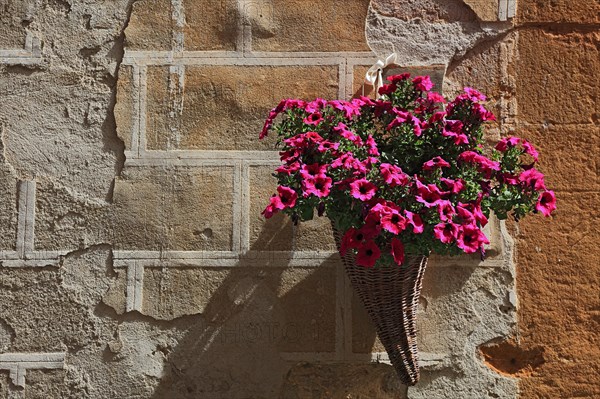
[
  {"x": 238, "y": 200},
  {"x": 512, "y": 8},
  {"x": 143, "y": 100},
  {"x": 17, "y": 364},
  {"x": 243, "y": 59},
  {"x": 26, "y": 217},
  {"x": 245, "y": 222},
  {"x": 135, "y": 134},
  {"x": 502, "y": 10},
  {"x": 138, "y": 287},
  {"x": 178, "y": 17},
  {"x": 342, "y": 80}
]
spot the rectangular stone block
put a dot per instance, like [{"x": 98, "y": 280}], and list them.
[
  {"x": 486, "y": 10},
  {"x": 150, "y": 26},
  {"x": 8, "y": 209},
  {"x": 210, "y": 24},
  {"x": 564, "y": 11},
  {"x": 177, "y": 208},
  {"x": 224, "y": 107},
  {"x": 278, "y": 233},
  {"x": 561, "y": 89},
  {"x": 565, "y": 155},
  {"x": 308, "y": 25},
  {"x": 12, "y": 32},
  {"x": 169, "y": 293},
  {"x": 306, "y": 305},
  {"x": 124, "y": 107}
]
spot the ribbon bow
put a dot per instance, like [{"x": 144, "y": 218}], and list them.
[{"x": 374, "y": 75}]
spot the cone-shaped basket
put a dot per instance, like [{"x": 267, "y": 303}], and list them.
[{"x": 391, "y": 297}]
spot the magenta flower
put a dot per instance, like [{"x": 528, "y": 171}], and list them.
[
  {"x": 533, "y": 178},
  {"x": 446, "y": 210},
  {"x": 368, "y": 253},
  {"x": 387, "y": 89},
  {"x": 315, "y": 105},
  {"x": 393, "y": 222},
  {"x": 398, "y": 78},
  {"x": 454, "y": 186},
  {"x": 470, "y": 238},
  {"x": 397, "y": 251},
  {"x": 372, "y": 146},
  {"x": 435, "y": 97},
  {"x": 435, "y": 163},
  {"x": 325, "y": 146},
  {"x": 393, "y": 175},
  {"x": 454, "y": 129},
  {"x": 422, "y": 83},
  {"x": 363, "y": 189},
  {"x": 429, "y": 195},
  {"x": 546, "y": 203},
  {"x": 446, "y": 232},
  {"x": 318, "y": 186},
  {"x": 416, "y": 221},
  {"x": 286, "y": 199},
  {"x": 313, "y": 119},
  {"x": 313, "y": 170},
  {"x": 353, "y": 238},
  {"x": 474, "y": 95},
  {"x": 529, "y": 149},
  {"x": 288, "y": 169},
  {"x": 507, "y": 142}
]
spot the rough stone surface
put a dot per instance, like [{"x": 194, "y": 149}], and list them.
[
  {"x": 308, "y": 25},
  {"x": 558, "y": 260},
  {"x": 558, "y": 91},
  {"x": 212, "y": 25},
  {"x": 559, "y": 11},
  {"x": 224, "y": 106}
]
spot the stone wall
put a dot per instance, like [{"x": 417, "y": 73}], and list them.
[{"x": 134, "y": 260}]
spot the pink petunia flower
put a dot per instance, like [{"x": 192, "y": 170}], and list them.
[
  {"x": 507, "y": 142},
  {"x": 446, "y": 210},
  {"x": 313, "y": 119},
  {"x": 529, "y": 149},
  {"x": 372, "y": 146},
  {"x": 363, "y": 189},
  {"x": 319, "y": 186},
  {"x": 313, "y": 170},
  {"x": 393, "y": 175},
  {"x": 435, "y": 163},
  {"x": 325, "y": 146},
  {"x": 416, "y": 222},
  {"x": 423, "y": 83},
  {"x": 288, "y": 169},
  {"x": 393, "y": 222},
  {"x": 286, "y": 199},
  {"x": 471, "y": 238},
  {"x": 398, "y": 78},
  {"x": 546, "y": 203},
  {"x": 532, "y": 178},
  {"x": 368, "y": 253},
  {"x": 446, "y": 232},
  {"x": 397, "y": 249},
  {"x": 429, "y": 195},
  {"x": 454, "y": 186},
  {"x": 474, "y": 95}
]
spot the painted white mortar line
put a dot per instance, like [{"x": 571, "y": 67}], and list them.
[
  {"x": 178, "y": 18},
  {"x": 237, "y": 207},
  {"x": 502, "y": 10},
  {"x": 512, "y": 8},
  {"x": 349, "y": 80},
  {"x": 342, "y": 79},
  {"x": 135, "y": 134},
  {"x": 245, "y": 222},
  {"x": 17, "y": 364},
  {"x": 135, "y": 284},
  {"x": 152, "y": 162},
  {"x": 26, "y": 218},
  {"x": 176, "y": 90},
  {"x": 143, "y": 100},
  {"x": 213, "y": 154}
]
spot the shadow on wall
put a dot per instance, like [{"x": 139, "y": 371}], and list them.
[{"x": 233, "y": 350}]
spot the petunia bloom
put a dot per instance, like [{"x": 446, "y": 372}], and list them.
[
  {"x": 446, "y": 232},
  {"x": 397, "y": 251},
  {"x": 363, "y": 189},
  {"x": 546, "y": 203},
  {"x": 368, "y": 253},
  {"x": 471, "y": 238},
  {"x": 318, "y": 186}
]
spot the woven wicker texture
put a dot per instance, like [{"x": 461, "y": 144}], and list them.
[{"x": 391, "y": 296}]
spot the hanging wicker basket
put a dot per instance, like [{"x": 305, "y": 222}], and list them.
[{"x": 391, "y": 297}]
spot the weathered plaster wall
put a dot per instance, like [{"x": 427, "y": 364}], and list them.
[
  {"x": 134, "y": 261},
  {"x": 559, "y": 262}
]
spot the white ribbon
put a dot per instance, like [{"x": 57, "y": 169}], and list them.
[{"x": 374, "y": 75}]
